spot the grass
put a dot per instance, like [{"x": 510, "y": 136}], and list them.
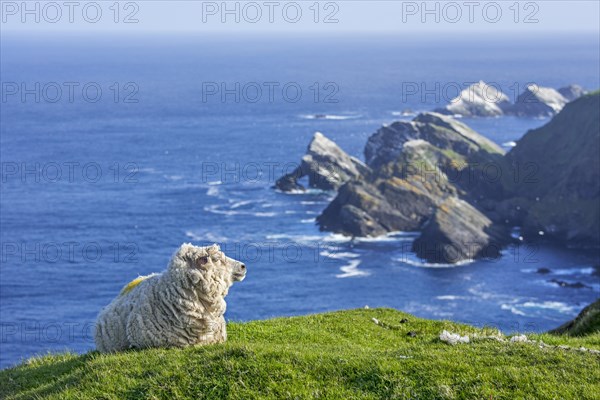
[{"x": 338, "y": 355}]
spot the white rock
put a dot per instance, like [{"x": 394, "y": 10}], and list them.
[
  {"x": 453, "y": 338},
  {"x": 519, "y": 339}
]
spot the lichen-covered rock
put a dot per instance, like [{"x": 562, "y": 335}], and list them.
[
  {"x": 441, "y": 131},
  {"x": 409, "y": 182},
  {"x": 326, "y": 165},
  {"x": 458, "y": 231}
]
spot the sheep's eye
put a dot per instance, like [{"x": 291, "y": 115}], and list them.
[{"x": 200, "y": 261}]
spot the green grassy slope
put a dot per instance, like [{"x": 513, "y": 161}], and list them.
[
  {"x": 341, "y": 355},
  {"x": 588, "y": 321}
]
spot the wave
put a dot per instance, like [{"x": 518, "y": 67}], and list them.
[
  {"x": 388, "y": 237},
  {"x": 206, "y": 237},
  {"x": 509, "y": 144},
  {"x": 403, "y": 113},
  {"x": 310, "y": 191},
  {"x": 550, "y": 305},
  {"x": 212, "y": 191},
  {"x": 351, "y": 270},
  {"x": 338, "y": 255},
  {"x": 513, "y": 310},
  {"x": 451, "y": 297},
  {"x": 216, "y": 209},
  {"x": 417, "y": 262},
  {"x": 173, "y": 177},
  {"x": 330, "y": 116}
]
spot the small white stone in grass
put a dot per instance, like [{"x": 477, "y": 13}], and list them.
[
  {"x": 453, "y": 338},
  {"x": 519, "y": 339},
  {"x": 366, "y": 307},
  {"x": 375, "y": 320}
]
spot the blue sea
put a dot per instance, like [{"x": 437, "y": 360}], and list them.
[{"x": 117, "y": 149}]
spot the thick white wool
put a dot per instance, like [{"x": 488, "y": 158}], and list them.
[{"x": 180, "y": 307}]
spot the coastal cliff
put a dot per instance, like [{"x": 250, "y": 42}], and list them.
[{"x": 426, "y": 175}]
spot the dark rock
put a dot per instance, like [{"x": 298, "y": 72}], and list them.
[
  {"x": 412, "y": 334},
  {"x": 576, "y": 285},
  {"x": 543, "y": 271},
  {"x": 326, "y": 165},
  {"x": 458, "y": 231},
  {"x": 559, "y": 183},
  {"x": 403, "y": 320},
  {"x": 409, "y": 182}
]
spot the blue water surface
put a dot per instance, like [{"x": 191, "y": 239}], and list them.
[{"x": 96, "y": 193}]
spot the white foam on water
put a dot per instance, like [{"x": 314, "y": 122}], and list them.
[
  {"x": 338, "y": 255},
  {"x": 451, "y": 297},
  {"x": 205, "y": 237},
  {"x": 212, "y": 191},
  {"x": 329, "y": 116},
  {"x": 351, "y": 270},
  {"x": 416, "y": 262},
  {"x": 513, "y": 310},
  {"x": 550, "y": 305}
]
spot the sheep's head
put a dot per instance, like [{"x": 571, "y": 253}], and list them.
[{"x": 206, "y": 268}]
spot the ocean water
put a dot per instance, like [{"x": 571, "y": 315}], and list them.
[{"x": 95, "y": 193}]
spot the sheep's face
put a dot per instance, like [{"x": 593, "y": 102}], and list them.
[{"x": 203, "y": 264}]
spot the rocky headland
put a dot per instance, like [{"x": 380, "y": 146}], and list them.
[{"x": 432, "y": 175}]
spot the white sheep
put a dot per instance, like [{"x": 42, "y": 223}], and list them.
[{"x": 183, "y": 306}]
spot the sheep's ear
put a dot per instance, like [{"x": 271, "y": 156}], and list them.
[{"x": 214, "y": 249}]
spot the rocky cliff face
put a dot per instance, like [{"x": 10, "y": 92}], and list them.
[
  {"x": 326, "y": 165},
  {"x": 561, "y": 194}
]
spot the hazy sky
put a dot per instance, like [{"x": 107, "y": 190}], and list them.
[{"x": 302, "y": 16}]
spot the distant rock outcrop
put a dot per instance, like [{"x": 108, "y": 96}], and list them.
[
  {"x": 477, "y": 100},
  {"x": 572, "y": 92},
  {"x": 485, "y": 100},
  {"x": 537, "y": 101},
  {"x": 326, "y": 165}
]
